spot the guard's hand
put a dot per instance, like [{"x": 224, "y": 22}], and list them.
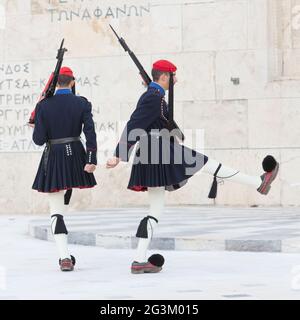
[
  {"x": 90, "y": 168},
  {"x": 112, "y": 163},
  {"x": 31, "y": 125}
]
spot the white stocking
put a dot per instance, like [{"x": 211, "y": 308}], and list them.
[
  {"x": 231, "y": 174},
  {"x": 157, "y": 203},
  {"x": 57, "y": 210}
]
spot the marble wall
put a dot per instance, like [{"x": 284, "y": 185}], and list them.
[{"x": 212, "y": 42}]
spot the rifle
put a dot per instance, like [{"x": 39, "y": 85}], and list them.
[
  {"x": 171, "y": 122},
  {"x": 52, "y": 82},
  {"x": 143, "y": 73}
]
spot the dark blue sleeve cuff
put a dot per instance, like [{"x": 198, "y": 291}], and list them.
[{"x": 91, "y": 157}]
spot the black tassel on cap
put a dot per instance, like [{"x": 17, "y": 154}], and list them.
[
  {"x": 142, "y": 231},
  {"x": 214, "y": 188}
]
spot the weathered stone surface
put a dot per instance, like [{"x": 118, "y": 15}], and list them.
[{"x": 238, "y": 72}]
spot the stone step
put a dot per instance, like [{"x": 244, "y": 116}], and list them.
[{"x": 185, "y": 228}]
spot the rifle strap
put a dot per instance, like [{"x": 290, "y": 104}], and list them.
[{"x": 171, "y": 97}]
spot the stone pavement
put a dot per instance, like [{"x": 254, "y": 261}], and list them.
[
  {"x": 257, "y": 229},
  {"x": 29, "y": 270}
]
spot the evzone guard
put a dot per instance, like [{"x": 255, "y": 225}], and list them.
[
  {"x": 65, "y": 164},
  {"x": 156, "y": 168}
]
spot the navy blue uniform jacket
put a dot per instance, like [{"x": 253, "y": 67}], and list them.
[
  {"x": 66, "y": 115},
  {"x": 151, "y": 113}
]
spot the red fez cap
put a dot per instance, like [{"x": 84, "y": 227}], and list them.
[
  {"x": 164, "y": 66},
  {"x": 65, "y": 71}
]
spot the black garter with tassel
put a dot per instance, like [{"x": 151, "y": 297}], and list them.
[
  {"x": 142, "y": 231},
  {"x": 214, "y": 188}
]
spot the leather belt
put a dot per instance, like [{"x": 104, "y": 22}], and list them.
[
  {"x": 54, "y": 142},
  {"x": 64, "y": 140}
]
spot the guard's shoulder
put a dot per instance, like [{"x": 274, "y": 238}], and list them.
[
  {"x": 43, "y": 103},
  {"x": 154, "y": 92},
  {"x": 152, "y": 95},
  {"x": 149, "y": 98},
  {"x": 83, "y": 100}
]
